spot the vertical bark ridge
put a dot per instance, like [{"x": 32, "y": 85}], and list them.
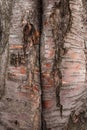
[
  {"x": 73, "y": 63},
  {"x": 69, "y": 69},
  {"x": 79, "y": 121},
  {"x": 5, "y": 18},
  {"x": 56, "y": 21},
  {"x": 85, "y": 43},
  {"x": 59, "y": 30}
]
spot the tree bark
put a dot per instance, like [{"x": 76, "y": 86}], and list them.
[
  {"x": 63, "y": 61},
  {"x": 43, "y": 64},
  {"x": 20, "y": 83}
]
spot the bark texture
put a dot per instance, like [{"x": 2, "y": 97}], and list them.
[
  {"x": 5, "y": 13},
  {"x": 63, "y": 61},
  {"x": 43, "y": 62},
  {"x": 20, "y": 83}
]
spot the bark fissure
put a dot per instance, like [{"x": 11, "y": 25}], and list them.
[
  {"x": 59, "y": 30},
  {"x": 40, "y": 9}
]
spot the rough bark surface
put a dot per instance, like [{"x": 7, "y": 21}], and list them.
[
  {"x": 43, "y": 59},
  {"x": 63, "y": 61},
  {"x": 20, "y": 83}
]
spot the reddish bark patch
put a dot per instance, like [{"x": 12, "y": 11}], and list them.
[
  {"x": 16, "y": 47},
  {"x": 47, "y": 86},
  {"x": 36, "y": 70},
  {"x": 48, "y": 65},
  {"x": 35, "y": 88},
  {"x": 23, "y": 94},
  {"x": 45, "y": 23},
  {"x": 46, "y": 75},
  {"x": 26, "y": 86},
  {"x": 47, "y": 104},
  {"x": 23, "y": 70}
]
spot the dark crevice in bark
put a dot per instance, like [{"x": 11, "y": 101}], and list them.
[
  {"x": 40, "y": 10},
  {"x": 77, "y": 122},
  {"x": 13, "y": 124},
  {"x": 59, "y": 29}
]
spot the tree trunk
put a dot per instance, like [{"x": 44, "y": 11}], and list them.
[{"x": 43, "y": 65}]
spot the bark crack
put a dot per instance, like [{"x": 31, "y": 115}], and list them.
[
  {"x": 61, "y": 22},
  {"x": 40, "y": 9}
]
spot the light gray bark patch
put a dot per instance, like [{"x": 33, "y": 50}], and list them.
[
  {"x": 5, "y": 17},
  {"x": 21, "y": 100}
]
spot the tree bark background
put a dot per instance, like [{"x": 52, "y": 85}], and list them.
[
  {"x": 68, "y": 76},
  {"x": 20, "y": 84},
  {"x": 54, "y": 75}
]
